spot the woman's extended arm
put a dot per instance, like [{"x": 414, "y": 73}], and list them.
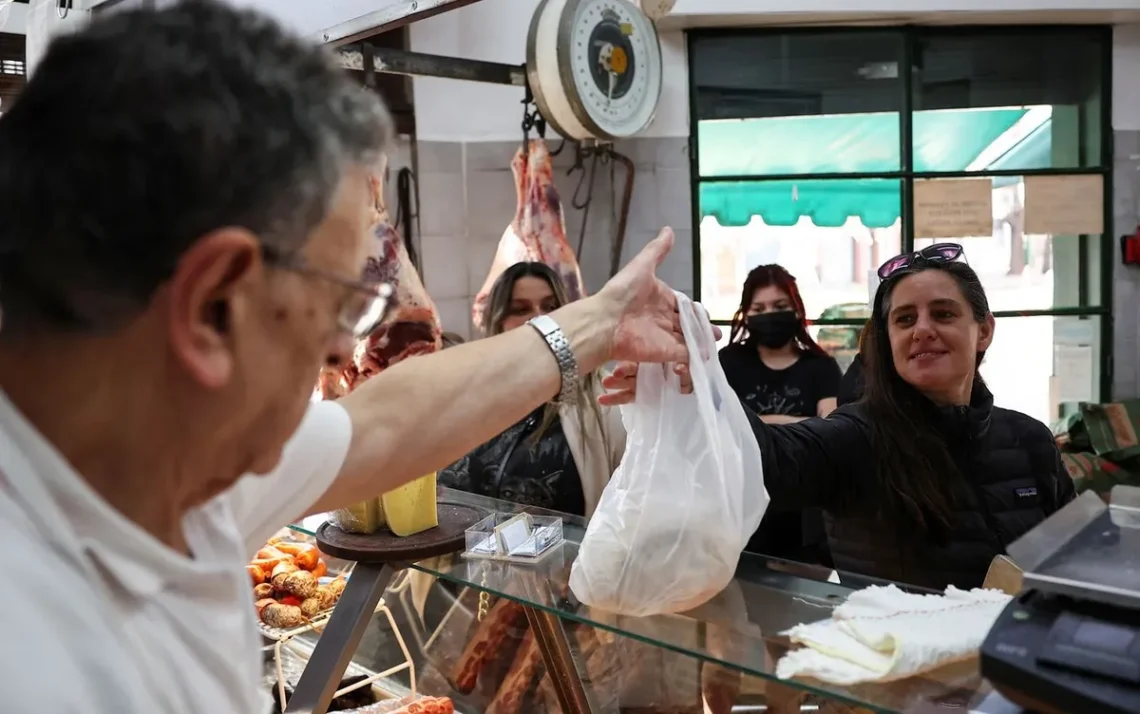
[
  {"x": 806, "y": 464},
  {"x": 809, "y": 464}
]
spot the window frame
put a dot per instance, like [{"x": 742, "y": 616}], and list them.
[{"x": 911, "y": 34}]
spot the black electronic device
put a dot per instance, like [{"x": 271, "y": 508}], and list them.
[
  {"x": 1052, "y": 654},
  {"x": 1070, "y": 642}
]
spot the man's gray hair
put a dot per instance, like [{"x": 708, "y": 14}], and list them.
[{"x": 148, "y": 129}]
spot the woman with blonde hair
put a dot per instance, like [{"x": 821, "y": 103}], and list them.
[{"x": 560, "y": 456}]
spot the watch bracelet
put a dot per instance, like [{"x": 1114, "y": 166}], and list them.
[{"x": 559, "y": 346}]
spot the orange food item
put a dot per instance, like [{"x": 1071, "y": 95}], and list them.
[
  {"x": 267, "y": 564},
  {"x": 306, "y": 556},
  {"x": 290, "y": 600},
  {"x": 256, "y": 574},
  {"x": 271, "y": 553},
  {"x": 321, "y": 569},
  {"x": 428, "y": 705}
]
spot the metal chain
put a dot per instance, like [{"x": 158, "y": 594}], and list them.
[{"x": 484, "y": 598}]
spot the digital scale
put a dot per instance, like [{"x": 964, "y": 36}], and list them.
[{"x": 1070, "y": 642}]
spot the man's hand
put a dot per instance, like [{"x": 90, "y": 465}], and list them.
[{"x": 648, "y": 328}]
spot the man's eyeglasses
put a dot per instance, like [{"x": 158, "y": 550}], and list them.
[
  {"x": 359, "y": 317},
  {"x": 937, "y": 253}
]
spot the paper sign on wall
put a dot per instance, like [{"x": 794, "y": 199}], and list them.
[
  {"x": 1064, "y": 205},
  {"x": 953, "y": 208}
]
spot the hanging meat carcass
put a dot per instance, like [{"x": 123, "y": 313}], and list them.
[
  {"x": 412, "y": 324},
  {"x": 538, "y": 231}
]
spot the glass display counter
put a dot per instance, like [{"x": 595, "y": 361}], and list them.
[{"x": 501, "y": 637}]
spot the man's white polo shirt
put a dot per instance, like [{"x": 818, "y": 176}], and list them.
[{"x": 99, "y": 617}]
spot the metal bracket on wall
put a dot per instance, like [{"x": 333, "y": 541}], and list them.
[{"x": 418, "y": 64}]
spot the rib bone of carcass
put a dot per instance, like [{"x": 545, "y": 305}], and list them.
[
  {"x": 411, "y": 326},
  {"x": 538, "y": 231}
]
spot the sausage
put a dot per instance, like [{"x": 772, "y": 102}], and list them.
[
  {"x": 284, "y": 617},
  {"x": 256, "y": 574},
  {"x": 488, "y": 639},
  {"x": 305, "y": 555},
  {"x": 525, "y": 671},
  {"x": 299, "y": 582}
]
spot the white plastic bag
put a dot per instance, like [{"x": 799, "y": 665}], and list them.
[{"x": 689, "y": 492}]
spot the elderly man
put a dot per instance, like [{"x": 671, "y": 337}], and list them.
[{"x": 185, "y": 205}]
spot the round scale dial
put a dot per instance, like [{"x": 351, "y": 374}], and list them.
[{"x": 594, "y": 67}]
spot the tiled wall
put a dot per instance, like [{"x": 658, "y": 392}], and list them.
[
  {"x": 467, "y": 199},
  {"x": 1126, "y": 298}
]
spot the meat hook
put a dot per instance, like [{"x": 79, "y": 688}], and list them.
[
  {"x": 587, "y": 181},
  {"x": 618, "y": 245},
  {"x": 405, "y": 216}
]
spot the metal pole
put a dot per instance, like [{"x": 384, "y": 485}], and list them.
[
  {"x": 418, "y": 64},
  {"x": 338, "y": 643},
  {"x": 559, "y": 661}
]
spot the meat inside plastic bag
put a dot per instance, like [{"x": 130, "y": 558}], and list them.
[{"x": 689, "y": 492}]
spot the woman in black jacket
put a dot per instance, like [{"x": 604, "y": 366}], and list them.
[{"x": 924, "y": 480}]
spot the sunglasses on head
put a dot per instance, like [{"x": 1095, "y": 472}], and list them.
[{"x": 937, "y": 253}]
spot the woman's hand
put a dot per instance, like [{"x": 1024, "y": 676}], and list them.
[{"x": 621, "y": 384}]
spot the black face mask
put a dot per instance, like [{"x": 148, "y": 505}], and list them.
[{"x": 773, "y": 329}]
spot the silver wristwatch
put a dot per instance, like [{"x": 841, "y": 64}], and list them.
[{"x": 560, "y": 346}]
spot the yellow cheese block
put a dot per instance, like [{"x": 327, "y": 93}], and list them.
[
  {"x": 411, "y": 508},
  {"x": 363, "y": 517}
]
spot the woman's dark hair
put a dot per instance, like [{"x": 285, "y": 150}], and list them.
[
  {"x": 915, "y": 469},
  {"x": 763, "y": 276}
]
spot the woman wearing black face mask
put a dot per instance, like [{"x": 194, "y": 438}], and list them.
[
  {"x": 771, "y": 361},
  {"x": 784, "y": 376}
]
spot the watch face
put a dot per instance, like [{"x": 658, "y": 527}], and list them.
[{"x": 615, "y": 65}]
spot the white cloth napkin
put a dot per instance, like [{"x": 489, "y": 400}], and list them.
[{"x": 882, "y": 633}]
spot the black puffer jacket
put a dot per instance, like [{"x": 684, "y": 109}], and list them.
[{"x": 1010, "y": 462}]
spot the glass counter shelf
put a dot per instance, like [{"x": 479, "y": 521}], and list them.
[{"x": 739, "y": 631}]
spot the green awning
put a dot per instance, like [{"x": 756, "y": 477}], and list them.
[
  {"x": 847, "y": 143},
  {"x": 829, "y": 204},
  {"x": 950, "y": 139},
  {"x": 1035, "y": 151},
  {"x": 831, "y": 144},
  {"x": 853, "y": 143}
]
